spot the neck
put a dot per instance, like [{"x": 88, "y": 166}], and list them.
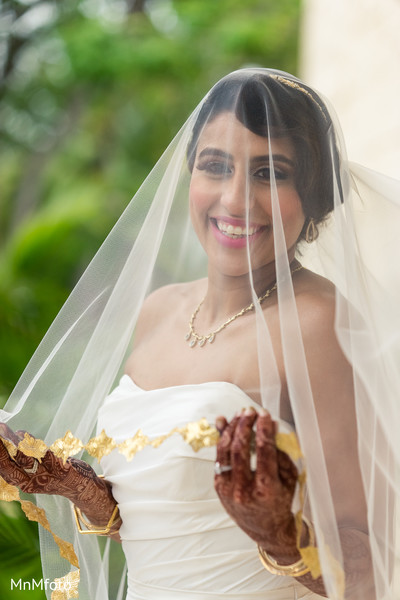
[
  {"x": 229, "y": 298},
  {"x": 227, "y": 295}
]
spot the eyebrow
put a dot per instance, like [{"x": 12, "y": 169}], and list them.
[
  {"x": 215, "y": 152},
  {"x": 262, "y": 158}
]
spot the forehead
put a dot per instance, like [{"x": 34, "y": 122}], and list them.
[{"x": 225, "y": 132}]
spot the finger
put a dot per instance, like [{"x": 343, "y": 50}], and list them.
[
  {"x": 55, "y": 465},
  {"x": 10, "y": 471},
  {"x": 26, "y": 462},
  {"x": 224, "y": 444},
  {"x": 288, "y": 472},
  {"x": 15, "y": 461},
  {"x": 267, "y": 460},
  {"x": 4, "y": 456},
  {"x": 221, "y": 423},
  {"x": 21, "y": 434},
  {"x": 8, "y": 446},
  {"x": 8, "y": 434},
  {"x": 241, "y": 449}
]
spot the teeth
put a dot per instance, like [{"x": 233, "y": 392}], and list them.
[{"x": 234, "y": 231}]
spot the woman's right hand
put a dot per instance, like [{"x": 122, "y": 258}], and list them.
[
  {"x": 74, "y": 479},
  {"x": 49, "y": 475}
]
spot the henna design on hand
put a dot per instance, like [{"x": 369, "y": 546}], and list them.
[
  {"x": 74, "y": 479},
  {"x": 258, "y": 501}
]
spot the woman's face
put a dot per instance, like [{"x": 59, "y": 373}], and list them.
[{"x": 231, "y": 176}]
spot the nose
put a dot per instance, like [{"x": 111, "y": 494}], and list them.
[{"x": 236, "y": 195}]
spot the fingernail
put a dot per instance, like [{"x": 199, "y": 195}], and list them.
[
  {"x": 262, "y": 412},
  {"x": 219, "y": 423},
  {"x": 249, "y": 411}
]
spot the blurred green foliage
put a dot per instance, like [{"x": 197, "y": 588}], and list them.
[
  {"x": 91, "y": 92},
  {"x": 19, "y": 554}
]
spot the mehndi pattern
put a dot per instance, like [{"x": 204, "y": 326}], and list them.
[{"x": 199, "y": 434}]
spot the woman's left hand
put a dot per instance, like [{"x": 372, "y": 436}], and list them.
[{"x": 259, "y": 501}]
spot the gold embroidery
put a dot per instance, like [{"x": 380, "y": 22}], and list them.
[
  {"x": 288, "y": 443},
  {"x": 8, "y": 492},
  {"x": 66, "y": 550},
  {"x": 66, "y": 587},
  {"x": 100, "y": 446},
  {"x": 133, "y": 445},
  {"x": 30, "y": 446},
  {"x": 35, "y": 513},
  {"x": 161, "y": 439},
  {"x": 310, "y": 556},
  {"x": 10, "y": 447},
  {"x": 199, "y": 434},
  {"x": 338, "y": 572},
  {"x": 66, "y": 446}
]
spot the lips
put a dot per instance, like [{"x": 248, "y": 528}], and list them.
[
  {"x": 233, "y": 233},
  {"x": 234, "y": 230}
]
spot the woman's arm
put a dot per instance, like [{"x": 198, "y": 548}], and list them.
[
  {"x": 74, "y": 480},
  {"x": 332, "y": 384},
  {"x": 260, "y": 502}
]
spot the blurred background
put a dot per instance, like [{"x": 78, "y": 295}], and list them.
[{"x": 91, "y": 93}]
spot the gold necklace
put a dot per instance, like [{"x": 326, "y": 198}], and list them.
[{"x": 192, "y": 337}]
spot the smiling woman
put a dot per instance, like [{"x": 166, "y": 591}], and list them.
[
  {"x": 277, "y": 327},
  {"x": 225, "y": 188}
]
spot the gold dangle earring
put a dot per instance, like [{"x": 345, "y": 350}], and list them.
[{"x": 311, "y": 232}]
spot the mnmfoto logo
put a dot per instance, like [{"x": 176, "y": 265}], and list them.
[{"x": 42, "y": 584}]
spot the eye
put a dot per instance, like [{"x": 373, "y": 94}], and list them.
[
  {"x": 264, "y": 174},
  {"x": 216, "y": 168}
]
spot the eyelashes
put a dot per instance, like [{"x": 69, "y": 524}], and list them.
[
  {"x": 264, "y": 173},
  {"x": 222, "y": 169},
  {"x": 215, "y": 167}
]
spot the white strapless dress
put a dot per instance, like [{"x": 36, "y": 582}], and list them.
[{"x": 178, "y": 540}]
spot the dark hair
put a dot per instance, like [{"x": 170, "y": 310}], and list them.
[{"x": 264, "y": 102}]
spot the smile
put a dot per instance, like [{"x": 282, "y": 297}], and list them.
[
  {"x": 230, "y": 234},
  {"x": 236, "y": 231}
]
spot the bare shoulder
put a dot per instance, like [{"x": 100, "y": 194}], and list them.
[{"x": 316, "y": 301}]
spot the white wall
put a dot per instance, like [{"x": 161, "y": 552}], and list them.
[{"x": 350, "y": 51}]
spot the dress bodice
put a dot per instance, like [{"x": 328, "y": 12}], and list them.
[{"x": 177, "y": 538}]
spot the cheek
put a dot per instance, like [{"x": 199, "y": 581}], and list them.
[
  {"x": 199, "y": 199},
  {"x": 291, "y": 210}
]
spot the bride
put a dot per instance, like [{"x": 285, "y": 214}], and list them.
[{"x": 249, "y": 273}]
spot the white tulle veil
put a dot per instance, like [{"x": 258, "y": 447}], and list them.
[{"x": 82, "y": 356}]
